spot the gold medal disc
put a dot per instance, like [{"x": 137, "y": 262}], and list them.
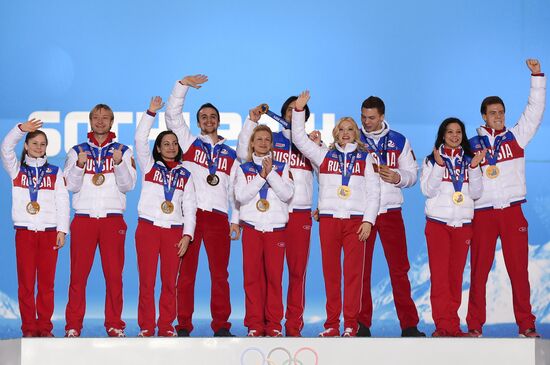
[
  {"x": 33, "y": 208},
  {"x": 167, "y": 207},
  {"x": 458, "y": 197},
  {"x": 263, "y": 108},
  {"x": 343, "y": 192},
  {"x": 262, "y": 205},
  {"x": 492, "y": 172},
  {"x": 98, "y": 179}
]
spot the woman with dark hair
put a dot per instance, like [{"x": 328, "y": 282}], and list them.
[
  {"x": 451, "y": 181},
  {"x": 166, "y": 222},
  {"x": 40, "y": 212}
]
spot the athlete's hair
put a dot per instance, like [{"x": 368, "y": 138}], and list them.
[
  {"x": 374, "y": 102},
  {"x": 490, "y": 100},
  {"x": 259, "y": 128},
  {"x": 360, "y": 144},
  {"x": 156, "y": 154}
]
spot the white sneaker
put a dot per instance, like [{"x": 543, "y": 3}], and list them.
[
  {"x": 349, "y": 332},
  {"x": 253, "y": 333},
  {"x": 115, "y": 332},
  {"x": 144, "y": 333},
  {"x": 72, "y": 333}
]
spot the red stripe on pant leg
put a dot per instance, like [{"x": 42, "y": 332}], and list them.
[
  {"x": 330, "y": 232},
  {"x": 438, "y": 240},
  {"x": 47, "y": 262},
  {"x": 147, "y": 248},
  {"x": 515, "y": 248},
  {"x": 254, "y": 279},
  {"x": 354, "y": 253},
  {"x": 218, "y": 244},
  {"x": 365, "y": 312},
  {"x": 26, "y": 248},
  {"x": 111, "y": 247},
  {"x": 169, "y": 264},
  {"x": 461, "y": 238},
  {"x": 84, "y": 238},
  {"x": 394, "y": 242},
  {"x": 298, "y": 233},
  {"x": 482, "y": 249},
  {"x": 274, "y": 260}
]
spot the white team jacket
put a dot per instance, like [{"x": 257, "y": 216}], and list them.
[
  {"x": 248, "y": 183},
  {"x": 436, "y": 185},
  {"x": 217, "y": 198},
  {"x": 52, "y": 194},
  {"x": 152, "y": 188},
  {"x": 364, "y": 181}
]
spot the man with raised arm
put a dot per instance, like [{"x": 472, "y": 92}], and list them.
[{"x": 210, "y": 161}]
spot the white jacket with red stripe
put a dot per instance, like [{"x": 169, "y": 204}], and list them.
[
  {"x": 52, "y": 194},
  {"x": 152, "y": 188},
  {"x": 364, "y": 181}
]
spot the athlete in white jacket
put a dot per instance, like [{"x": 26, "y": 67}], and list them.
[
  {"x": 349, "y": 200},
  {"x": 40, "y": 212},
  {"x": 167, "y": 208}
]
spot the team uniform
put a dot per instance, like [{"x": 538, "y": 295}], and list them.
[
  {"x": 264, "y": 242},
  {"x": 396, "y": 152},
  {"x": 36, "y": 232},
  {"x": 448, "y": 233},
  {"x": 298, "y": 229},
  {"x": 166, "y": 210},
  {"x": 340, "y": 218},
  {"x": 99, "y": 200},
  {"x": 203, "y": 157},
  {"x": 498, "y": 212}
]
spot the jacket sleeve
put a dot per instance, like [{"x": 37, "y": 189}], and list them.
[
  {"x": 373, "y": 192},
  {"x": 189, "y": 207},
  {"x": 74, "y": 175},
  {"x": 62, "y": 205},
  {"x": 408, "y": 167},
  {"x": 245, "y": 192},
  {"x": 312, "y": 151},
  {"x": 244, "y": 138},
  {"x": 475, "y": 184},
  {"x": 125, "y": 172},
  {"x": 531, "y": 117},
  {"x": 174, "y": 116},
  {"x": 9, "y": 156},
  {"x": 231, "y": 192},
  {"x": 143, "y": 152},
  {"x": 430, "y": 179},
  {"x": 282, "y": 186}
]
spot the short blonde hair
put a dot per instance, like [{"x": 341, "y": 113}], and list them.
[
  {"x": 100, "y": 107},
  {"x": 259, "y": 128},
  {"x": 360, "y": 144}
]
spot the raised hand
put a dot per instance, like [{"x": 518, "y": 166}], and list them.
[
  {"x": 364, "y": 231},
  {"x": 534, "y": 65},
  {"x": 267, "y": 165},
  {"x": 315, "y": 136},
  {"x": 478, "y": 157},
  {"x": 254, "y": 114},
  {"x": 234, "y": 231},
  {"x": 156, "y": 104},
  {"x": 117, "y": 155},
  {"x": 82, "y": 158},
  {"x": 438, "y": 158},
  {"x": 182, "y": 245},
  {"x": 194, "y": 80},
  {"x": 60, "y": 241},
  {"x": 388, "y": 175},
  {"x": 31, "y": 125},
  {"x": 302, "y": 100}
]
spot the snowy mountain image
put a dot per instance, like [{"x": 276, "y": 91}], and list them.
[{"x": 8, "y": 307}]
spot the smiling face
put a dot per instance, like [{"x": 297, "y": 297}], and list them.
[
  {"x": 345, "y": 132},
  {"x": 101, "y": 121},
  {"x": 453, "y": 135},
  {"x": 261, "y": 143},
  {"x": 36, "y": 146},
  {"x": 169, "y": 147},
  {"x": 208, "y": 120},
  {"x": 494, "y": 116}
]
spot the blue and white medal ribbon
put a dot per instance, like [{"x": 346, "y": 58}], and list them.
[
  {"x": 344, "y": 191},
  {"x": 33, "y": 207}
]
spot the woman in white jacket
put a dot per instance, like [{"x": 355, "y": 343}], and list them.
[
  {"x": 166, "y": 222},
  {"x": 263, "y": 188},
  {"x": 40, "y": 212},
  {"x": 451, "y": 181},
  {"x": 349, "y": 199}
]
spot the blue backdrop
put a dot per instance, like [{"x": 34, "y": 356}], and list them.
[{"x": 428, "y": 60}]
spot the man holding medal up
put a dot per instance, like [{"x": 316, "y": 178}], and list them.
[
  {"x": 498, "y": 212},
  {"x": 99, "y": 173},
  {"x": 397, "y": 170},
  {"x": 210, "y": 161}
]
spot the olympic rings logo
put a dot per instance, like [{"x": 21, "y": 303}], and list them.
[{"x": 270, "y": 359}]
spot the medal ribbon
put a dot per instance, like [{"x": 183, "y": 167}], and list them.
[
  {"x": 380, "y": 149},
  {"x": 346, "y": 173},
  {"x": 457, "y": 181},
  {"x": 34, "y": 187},
  {"x": 212, "y": 162},
  {"x": 169, "y": 182},
  {"x": 98, "y": 159},
  {"x": 263, "y": 190},
  {"x": 278, "y": 119},
  {"x": 491, "y": 156}
]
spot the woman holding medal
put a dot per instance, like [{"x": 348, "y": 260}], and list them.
[
  {"x": 40, "y": 212},
  {"x": 349, "y": 199},
  {"x": 263, "y": 188},
  {"x": 451, "y": 181},
  {"x": 167, "y": 200}
]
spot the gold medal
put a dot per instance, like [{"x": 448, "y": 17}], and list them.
[
  {"x": 263, "y": 108},
  {"x": 458, "y": 197},
  {"x": 212, "y": 179},
  {"x": 167, "y": 207},
  {"x": 262, "y": 205},
  {"x": 492, "y": 171},
  {"x": 98, "y": 179},
  {"x": 343, "y": 192},
  {"x": 33, "y": 208}
]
